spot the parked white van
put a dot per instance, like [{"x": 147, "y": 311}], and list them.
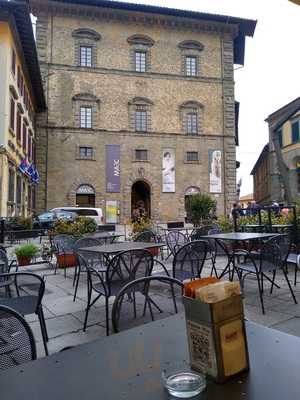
[{"x": 95, "y": 213}]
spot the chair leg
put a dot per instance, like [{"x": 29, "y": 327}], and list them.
[
  {"x": 87, "y": 307},
  {"x": 260, "y": 293},
  {"x": 44, "y": 322},
  {"x": 44, "y": 334},
  {"x": 273, "y": 280},
  {"x": 295, "y": 276},
  {"x": 107, "y": 315},
  {"x": 289, "y": 285},
  {"x": 76, "y": 284}
]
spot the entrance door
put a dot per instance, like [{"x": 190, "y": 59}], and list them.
[
  {"x": 85, "y": 196},
  {"x": 141, "y": 197}
]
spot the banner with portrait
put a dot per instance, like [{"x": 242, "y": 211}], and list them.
[
  {"x": 215, "y": 171},
  {"x": 168, "y": 171}
]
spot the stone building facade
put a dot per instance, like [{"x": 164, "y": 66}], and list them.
[
  {"x": 261, "y": 177},
  {"x": 21, "y": 98},
  {"x": 151, "y": 81}
]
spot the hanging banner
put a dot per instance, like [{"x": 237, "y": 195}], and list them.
[
  {"x": 113, "y": 168},
  {"x": 111, "y": 211},
  {"x": 215, "y": 171},
  {"x": 168, "y": 171}
]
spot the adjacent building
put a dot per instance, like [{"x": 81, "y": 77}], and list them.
[
  {"x": 141, "y": 106},
  {"x": 261, "y": 177},
  {"x": 285, "y": 123},
  {"x": 21, "y": 98}
]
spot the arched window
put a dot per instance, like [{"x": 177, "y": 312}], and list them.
[
  {"x": 140, "y": 52},
  {"x": 191, "y": 117},
  {"x": 86, "y": 47},
  {"x": 85, "y": 196},
  {"x": 190, "y": 57},
  {"x": 140, "y": 114},
  {"x": 86, "y": 108}
]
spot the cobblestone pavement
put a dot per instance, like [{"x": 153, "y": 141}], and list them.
[{"x": 64, "y": 318}]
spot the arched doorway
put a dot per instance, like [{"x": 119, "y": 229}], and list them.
[
  {"x": 141, "y": 197},
  {"x": 192, "y": 190},
  {"x": 85, "y": 196}
]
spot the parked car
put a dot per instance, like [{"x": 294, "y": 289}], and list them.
[
  {"x": 95, "y": 213},
  {"x": 47, "y": 219}
]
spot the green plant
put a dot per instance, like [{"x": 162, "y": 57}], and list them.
[
  {"x": 200, "y": 208},
  {"x": 76, "y": 228},
  {"x": 143, "y": 224},
  {"x": 225, "y": 223},
  {"x": 27, "y": 250}
]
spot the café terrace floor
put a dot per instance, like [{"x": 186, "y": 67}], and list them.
[{"x": 64, "y": 318}]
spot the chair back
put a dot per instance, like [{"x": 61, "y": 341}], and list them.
[
  {"x": 17, "y": 341},
  {"x": 175, "y": 239},
  {"x": 152, "y": 298},
  {"x": 129, "y": 265},
  {"x": 270, "y": 256},
  {"x": 197, "y": 233},
  {"x": 146, "y": 236},
  {"x": 27, "y": 291},
  {"x": 64, "y": 243},
  {"x": 189, "y": 260},
  {"x": 3, "y": 262},
  {"x": 285, "y": 244}
]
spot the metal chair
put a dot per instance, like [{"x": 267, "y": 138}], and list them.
[
  {"x": 189, "y": 260},
  {"x": 198, "y": 232},
  {"x": 122, "y": 269},
  {"x": 63, "y": 246},
  {"x": 268, "y": 260},
  {"x": 289, "y": 253},
  {"x": 94, "y": 260},
  {"x": 151, "y": 298},
  {"x": 17, "y": 341},
  {"x": 174, "y": 240},
  {"x": 26, "y": 298},
  {"x": 4, "y": 269}
]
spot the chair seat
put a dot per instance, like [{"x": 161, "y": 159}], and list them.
[
  {"x": 293, "y": 258},
  {"x": 115, "y": 287},
  {"x": 25, "y": 305},
  {"x": 181, "y": 275},
  {"x": 6, "y": 282},
  {"x": 98, "y": 266}
]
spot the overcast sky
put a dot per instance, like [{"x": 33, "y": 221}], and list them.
[{"x": 270, "y": 77}]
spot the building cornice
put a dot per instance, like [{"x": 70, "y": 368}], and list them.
[{"x": 133, "y": 17}]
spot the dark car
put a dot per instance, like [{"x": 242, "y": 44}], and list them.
[{"x": 48, "y": 219}]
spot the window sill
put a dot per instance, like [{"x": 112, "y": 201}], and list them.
[
  {"x": 139, "y": 161},
  {"x": 85, "y": 159},
  {"x": 191, "y": 162}
]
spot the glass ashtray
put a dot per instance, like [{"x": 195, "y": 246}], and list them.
[{"x": 184, "y": 384}]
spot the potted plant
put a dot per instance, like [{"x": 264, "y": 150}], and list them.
[
  {"x": 25, "y": 253},
  {"x": 200, "y": 208}
]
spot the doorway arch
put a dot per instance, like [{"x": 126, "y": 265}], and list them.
[
  {"x": 190, "y": 191},
  {"x": 85, "y": 196},
  {"x": 141, "y": 197}
]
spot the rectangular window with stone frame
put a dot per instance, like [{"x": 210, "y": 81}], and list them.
[
  {"x": 86, "y": 117},
  {"x": 141, "y": 121},
  {"x": 140, "y": 61},
  {"x": 192, "y": 123},
  {"x": 86, "y": 56},
  {"x": 141, "y": 155},
  {"x": 12, "y": 114},
  {"x": 86, "y": 153},
  {"x": 19, "y": 190},
  {"x": 24, "y": 141},
  {"x": 11, "y": 185},
  {"x": 192, "y": 156},
  {"x": 191, "y": 67},
  {"x": 19, "y": 125},
  {"x": 13, "y": 62}
]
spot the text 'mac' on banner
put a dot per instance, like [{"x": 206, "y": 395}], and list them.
[{"x": 113, "y": 168}]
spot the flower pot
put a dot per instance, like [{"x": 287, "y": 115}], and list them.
[
  {"x": 23, "y": 260},
  {"x": 66, "y": 260},
  {"x": 154, "y": 251}
]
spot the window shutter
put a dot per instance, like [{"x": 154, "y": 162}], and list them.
[
  {"x": 280, "y": 138},
  {"x": 295, "y": 132}
]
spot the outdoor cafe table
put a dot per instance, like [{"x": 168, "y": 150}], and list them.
[
  {"x": 128, "y": 366},
  {"x": 117, "y": 247}
]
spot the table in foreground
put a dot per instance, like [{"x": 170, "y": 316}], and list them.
[
  {"x": 128, "y": 366},
  {"x": 117, "y": 247}
]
